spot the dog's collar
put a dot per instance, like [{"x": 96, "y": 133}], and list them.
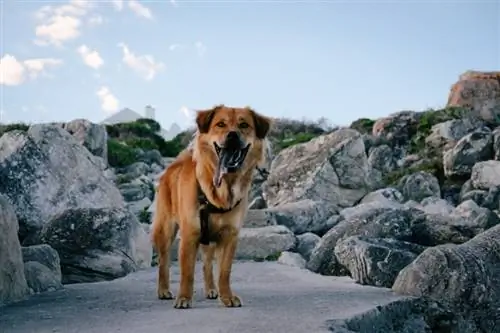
[{"x": 207, "y": 208}]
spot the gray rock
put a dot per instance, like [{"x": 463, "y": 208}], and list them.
[
  {"x": 496, "y": 143},
  {"x": 45, "y": 255},
  {"x": 264, "y": 243},
  {"x": 485, "y": 174},
  {"x": 472, "y": 148},
  {"x": 332, "y": 168},
  {"x": 446, "y": 134},
  {"x": 135, "y": 170},
  {"x": 383, "y": 194},
  {"x": 292, "y": 259},
  {"x": 92, "y": 136},
  {"x": 304, "y": 216},
  {"x": 151, "y": 156},
  {"x": 419, "y": 185},
  {"x": 97, "y": 244},
  {"x": 465, "y": 277},
  {"x": 256, "y": 218},
  {"x": 45, "y": 172},
  {"x": 394, "y": 223},
  {"x": 40, "y": 278},
  {"x": 382, "y": 159},
  {"x": 463, "y": 223},
  {"x": 258, "y": 203},
  {"x": 375, "y": 261},
  {"x": 138, "y": 206},
  {"x": 435, "y": 205},
  {"x": 13, "y": 286},
  {"x": 306, "y": 244}
]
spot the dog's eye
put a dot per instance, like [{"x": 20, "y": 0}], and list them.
[
  {"x": 243, "y": 125},
  {"x": 220, "y": 124}
]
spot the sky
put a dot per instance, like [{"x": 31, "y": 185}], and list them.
[{"x": 343, "y": 60}]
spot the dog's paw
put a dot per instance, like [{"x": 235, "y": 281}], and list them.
[
  {"x": 231, "y": 302},
  {"x": 211, "y": 294},
  {"x": 165, "y": 294},
  {"x": 182, "y": 303}
]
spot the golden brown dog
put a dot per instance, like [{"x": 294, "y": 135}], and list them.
[{"x": 215, "y": 172}]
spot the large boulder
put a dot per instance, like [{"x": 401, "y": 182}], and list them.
[
  {"x": 92, "y": 136},
  {"x": 332, "y": 169},
  {"x": 485, "y": 175},
  {"x": 465, "y": 277},
  {"x": 46, "y": 171},
  {"x": 479, "y": 91},
  {"x": 13, "y": 286},
  {"x": 472, "y": 148},
  {"x": 97, "y": 244}
]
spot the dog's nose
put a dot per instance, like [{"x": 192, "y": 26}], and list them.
[{"x": 232, "y": 135}]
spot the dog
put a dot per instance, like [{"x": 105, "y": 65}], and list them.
[{"x": 203, "y": 195}]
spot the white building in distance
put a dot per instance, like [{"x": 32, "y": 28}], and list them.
[{"x": 127, "y": 115}]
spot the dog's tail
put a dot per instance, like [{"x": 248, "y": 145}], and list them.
[{"x": 163, "y": 229}]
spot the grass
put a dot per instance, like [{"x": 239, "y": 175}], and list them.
[{"x": 12, "y": 127}]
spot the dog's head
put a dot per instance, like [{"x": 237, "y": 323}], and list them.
[{"x": 235, "y": 136}]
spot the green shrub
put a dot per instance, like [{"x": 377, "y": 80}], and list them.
[
  {"x": 119, "y": 154},
  {"x": 12, "y": 127},
  {"x": 434, "y": 167},
  {"x": 298, "y": 138},
  {"x": 363, "y": 125}
]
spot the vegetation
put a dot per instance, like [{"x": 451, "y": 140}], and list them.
[
  {"x": 363, "y": 125},
  {"x": 433, "y": 166},
  {"x": 4, "y": 128}
]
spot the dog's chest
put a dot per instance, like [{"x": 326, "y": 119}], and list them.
[{"x": 219, "y": 226}]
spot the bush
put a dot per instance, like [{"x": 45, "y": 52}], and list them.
[
  {"x": 12, "y": 127},
  {"x": 298, "y": 138},
  {"x": 120, "y": 154},
  {"x": 363, "y": 125}
]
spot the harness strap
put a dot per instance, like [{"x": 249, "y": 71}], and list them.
[{"x": 207, "y": 208}]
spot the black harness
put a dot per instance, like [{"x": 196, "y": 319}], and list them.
[{"x": 207, "y": 208}]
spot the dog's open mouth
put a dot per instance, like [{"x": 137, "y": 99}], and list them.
[{"x": 230, "y": 160}]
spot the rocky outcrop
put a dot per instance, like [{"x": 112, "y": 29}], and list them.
[
  {"x": 13, "y": 285},
  {"x": 42, "y": 181},
  {"x": 332, "y": 169},
  {"x": 465, "y": 277},
  {"x": 479, "y": 91}
]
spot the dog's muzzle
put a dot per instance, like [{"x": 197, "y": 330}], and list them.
[{"x": 233, "y": 153}]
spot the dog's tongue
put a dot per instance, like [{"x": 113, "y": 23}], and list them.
[{"x": 224, "y": 159}]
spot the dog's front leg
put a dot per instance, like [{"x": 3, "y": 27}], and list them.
[
  {"x": 227, "y": 249},
  {"x": 188, "y": 248}
]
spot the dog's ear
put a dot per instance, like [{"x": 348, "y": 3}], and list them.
[
  {"x": 262, "y": 124},
  {"x": 204, "y": 118}
]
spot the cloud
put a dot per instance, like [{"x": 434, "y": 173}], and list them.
[
  {"x": 61, "y": 23},
  {"x": 174, "y": 3},
  {"x": 200, "y": 48},
  {"x": 144, "y": 65},
  {"x": 95, "y": 20},
  {"x": 90, "y": 57},
  {"x": 118, "y": 4},
  {"x": 139, "y": 9},
  {"x": 14, "y": 72},
  {"x": 109, "y": 103},
  {"x": 174, "y": 47}
]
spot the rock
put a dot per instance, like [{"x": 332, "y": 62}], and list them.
[
  {"x": 258, "y": 203},
  {"x": 384, "y": 194},
  {"x": 485, "y": 174},
  {"x": 304, "y": 216},
  {"x": 375, "y": 261},
  {"x": 398, "y": 127},
  {"x": 45, "y": 172},
  {"x": 410, "y": 315},
  {"x": 264, "y": 243},
  {"x": 331, "y": 168},
  {"x": 256, "y": 218},
  {"x": 373, "y": 222},
  {"x": 97, "y": 244},
  {"x": 152, "y": 156},
  {"x": 445, "y": 135},
  {"x": 382, "y": 159},
  {"x": 292, "y": 259},
  {"x": 435, "y": 205},
  {"x": 40, "y": 278},
  {"x": 479, "y": 91},
  {"x": 496, "y": 143},
  {"x": 13, "y": 285},
  {"x": 135, "y": 170},
  {"x": 306, "y": 244},
  {"x": 472, "y": 148},
  {"x": 92, "y": 136},
  {"x": 137, "y": 207},
  {"x": 464, "y": 222},
  {"x": 45, "y": 255},
  {"x": 465, "y": 277},
  {"x": 419, "y": 185}
]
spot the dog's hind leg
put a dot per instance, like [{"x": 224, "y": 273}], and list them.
[
  {"x": 208, "y": 275},
  {"x": 163, "y": 234}
]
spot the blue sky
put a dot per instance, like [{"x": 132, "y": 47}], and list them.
[{"x": 338, "y": 59}]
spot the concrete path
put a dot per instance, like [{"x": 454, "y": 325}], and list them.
[{"x": 276, "y": 298}]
